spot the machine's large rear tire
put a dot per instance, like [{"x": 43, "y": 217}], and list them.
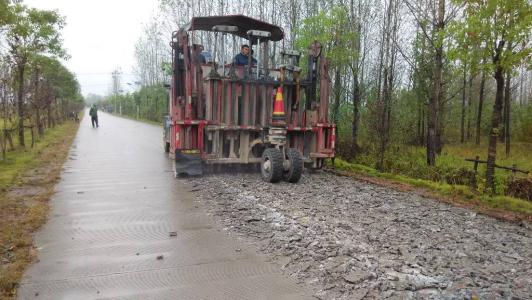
[
  {"x": 293, "y": 174},
  {"x": 271, "y": 167}
]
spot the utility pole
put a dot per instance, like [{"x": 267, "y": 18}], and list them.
[{"x": 116, "y": 89}]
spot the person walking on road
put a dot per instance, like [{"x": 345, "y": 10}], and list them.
[{"x": 94, "y": 115}]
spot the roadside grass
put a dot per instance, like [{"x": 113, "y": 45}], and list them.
[
  {"x": 519, "y": 153},
  {"x": 450, "y": 177},
  {"x": 451, "y": 167},
  {"x": 22, "y": 159},
  {"x": 27, "y": 179}
]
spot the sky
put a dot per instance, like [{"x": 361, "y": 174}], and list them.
[{"x": 100, "y": 36}]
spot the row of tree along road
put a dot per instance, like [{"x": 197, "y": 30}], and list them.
[{"x": 36, "y": 90}]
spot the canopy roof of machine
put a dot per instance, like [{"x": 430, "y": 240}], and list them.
[{"x": 242, "y": 22}]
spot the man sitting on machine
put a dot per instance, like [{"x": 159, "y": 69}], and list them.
[
  {"x": 242, "y": 58},
  {"x": 199, "y": 57}
]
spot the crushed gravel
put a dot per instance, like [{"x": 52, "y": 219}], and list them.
[{"x": 344, "y": 239}]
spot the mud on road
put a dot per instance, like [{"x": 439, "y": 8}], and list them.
[{"x": 344, "y": 239}]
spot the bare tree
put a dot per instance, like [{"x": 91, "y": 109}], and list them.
[
  {"x": 480, "y": 106},
  {"x": 432, "y": 17},
  {"x": 386, "y": 77}
]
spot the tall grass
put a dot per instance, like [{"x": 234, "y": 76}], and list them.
[
  {"x": 21, "y": 214},
  {"x": 23, "y": 158},
  {"x": 451, "y": 167}
]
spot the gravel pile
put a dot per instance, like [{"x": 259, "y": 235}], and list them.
[{"x": 345, "y": 239}]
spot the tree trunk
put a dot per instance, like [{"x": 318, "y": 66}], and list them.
[
  {"x": 49, "y": 116},
  {"x": 494, "y": 132},
  {"x": 507, "y": 100},
  {"x": 522, "y": 78},
  {"x": 40, "y": 125},
  {"x": 337, "y": 95},
  {"x": 502, "y": 126},
  {"x": 356, "y": 114},
  {"x": 56, "y": 111},
  {"x": 384, "y": 101},
  {"x": 273, "y": 21},
  {"x": 479, "y": 111},
  {"x": 506, "y": 106},
  {"x": 435, "y": 101},
  {"x": 469, "y": 106},
  {"x": 432, "y": 113},
  {"x": 462, "y": 121},
  {"x": 422, "y": 124},
  {"x": 2, "y": 147},
  {"x": 356, "y": 19},
  {"x": 9, "y": 139},
  {"x": 439, "y": 125},
  {"x": 418, "y": 123},
  {"x": 20, "y": 104},
  {"x": 37, "y": 103},
  {"x": 383, "y": 124}
]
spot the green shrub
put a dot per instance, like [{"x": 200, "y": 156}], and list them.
[
  {"x": 451, "y": 167},
  {"x": 460, "y": 176}
]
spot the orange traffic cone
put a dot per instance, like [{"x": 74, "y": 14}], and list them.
[{"x": 278, "y": 105}]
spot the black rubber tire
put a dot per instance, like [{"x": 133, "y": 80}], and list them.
[
  {"x": 166, "y": 147},
  {"x": 293, "y": 174},
  {"x": 274, "y": 173}
]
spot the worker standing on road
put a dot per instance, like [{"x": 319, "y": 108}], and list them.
[{"x": 94, "y": 115}]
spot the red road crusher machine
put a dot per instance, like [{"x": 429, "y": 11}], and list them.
[{"x": 222, "y": 114}]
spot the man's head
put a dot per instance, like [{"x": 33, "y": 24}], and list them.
[{"x": 244, "y": 50}]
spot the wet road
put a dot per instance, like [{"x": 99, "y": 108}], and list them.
[{"x": 110, "y": 233}]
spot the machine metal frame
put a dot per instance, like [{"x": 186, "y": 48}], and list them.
[{"x": 225, "y": 114}]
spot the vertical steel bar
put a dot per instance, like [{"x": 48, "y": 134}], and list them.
[{"x": 219, "y": 100}]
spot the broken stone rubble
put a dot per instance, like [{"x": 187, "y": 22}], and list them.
[{"x": 345, "y": 239}]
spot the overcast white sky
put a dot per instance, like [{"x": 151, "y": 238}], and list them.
[{"x": 100, "y": 36}]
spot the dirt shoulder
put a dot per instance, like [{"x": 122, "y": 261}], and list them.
[{"x": 24, "y": 206}]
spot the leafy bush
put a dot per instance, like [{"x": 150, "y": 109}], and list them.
[
  {"x": 451, "y": 167},
  {"x": 461, "y": 176},
  {"x": 520, "y": 188}
]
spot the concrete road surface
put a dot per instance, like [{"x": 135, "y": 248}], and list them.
[{"x": 110, "y": 233}]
